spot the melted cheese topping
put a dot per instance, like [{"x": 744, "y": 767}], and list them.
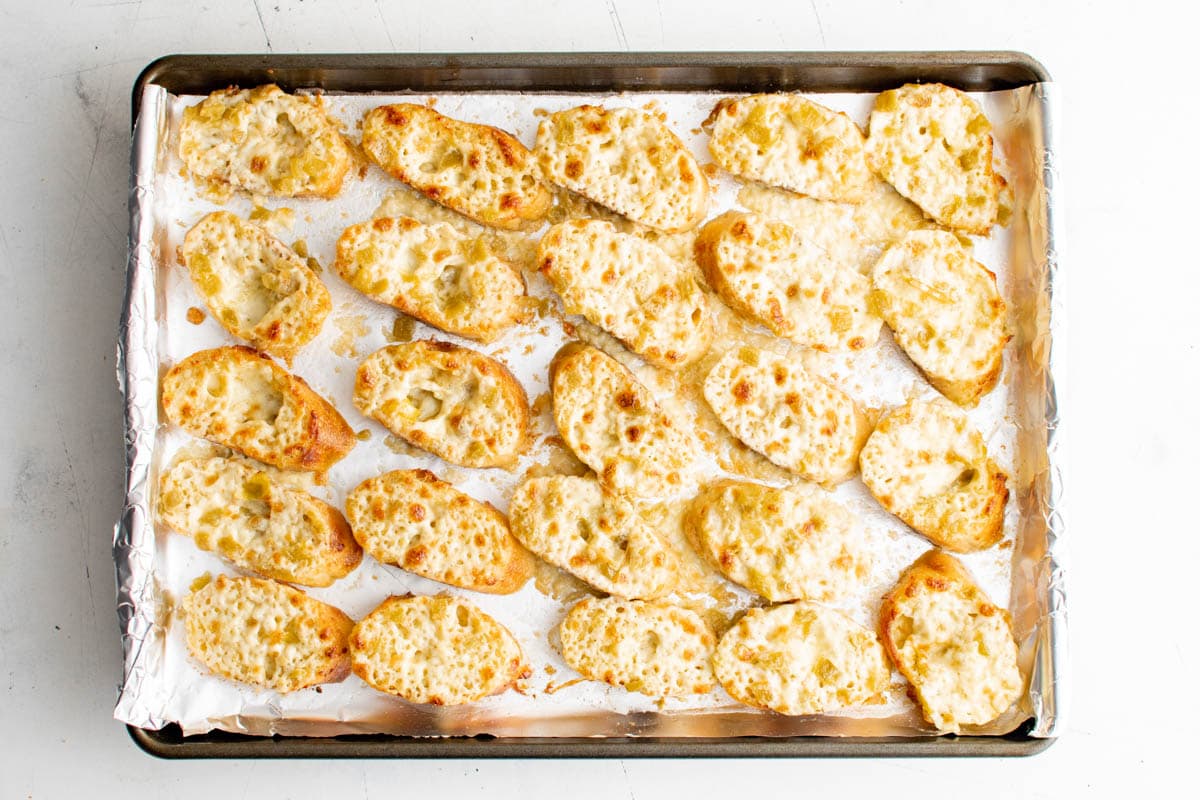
[
  {"x": 630, "y": 288},
  {"x": 785, "y": 140},
  {"x": 411, "y": 519},
  {"x": 934, "y": 144},
  {"x": 452, "y": 401},
  {"x": 763, "y": 270},
  {"x": 626, "y": 160},
  {"x": 436, "y": 650},
  {"x": 265, "y": 142},
  {"x": 784, "y": 544},
  {"x": 433, "y": 273},
  {"x": 596, "y": 536},
  {"x": 796, "y": 420},
  {"x": 801, "y": 658},
  {"x": 254, "y": 285},
  {"x": 266, "y": 633},
  {"x": 641, "y": 646}
]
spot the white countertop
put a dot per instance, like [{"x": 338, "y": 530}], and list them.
[{"x": 1126, "y": 167}]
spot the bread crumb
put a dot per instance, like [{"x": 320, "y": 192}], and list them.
[{"x": 195, "y": 315}]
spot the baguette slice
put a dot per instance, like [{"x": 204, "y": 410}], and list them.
[
  {"x": 793, "y": 418},
  {"x": 954, "y": 647},
  {"x": 801, "y": 658},
  {"x": 626, "y": 160},
  {"x": 434, "y": 273},
  {"x": 240, "y": 398},
  {"x": 630, "y": 288},
  {"x": 928, "y": 466},
  {"x": 946, "y": 312},
  {"x": 657, "y": 649},
  {"x": 784, "y": 544},
  {"x": 787, "y": 141},
  {"x": 267, "y": 634},
  {"x": 614, "y": 425},
  {"x": 412, "y": 520},
  {"x": 934, "y": 144},
  {"x": 256, "y": 523},
  {"x": 265, "y": 142},
  {"x": 442, "y": 651},
  {"x": 596, "y": 536},
  {"x": 763, "y": 270},
  {"x": 477, "y": 170},
  {"x": 452, "y": 401},
  {"x": 256, "y": 287}
]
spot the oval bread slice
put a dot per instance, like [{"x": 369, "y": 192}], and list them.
[
  {"x": 626, "y": 160},
  {"x": 788, "y": 141},
  {"x": 801, "y": 658},
  {"x": 256, "y": 287},
  {"x": 928, "y": 466},
  {"x": 267, "y": 634},
  {"x": 240, "y": 398},
  {"x": 413, "y": 520},
  {"x": 946, "y": 312},
  {"x": 793, "y": 418},
  {"x": 257, "y": 524},
  {"x": 264, "y": 141},
  {"x": 437, "y": 650},
  {"x": 630, "y": 288},
  {"x": 433, "y": 273},
  {"x": 596, "y": 536},
  {"x": 614, "y": 425},
  {"x": 657, "y": 649},
  {"x": 954, "y": 647},
  {"x": 763, "y": 270},
  {"x": 477, "y": 170},
  {"x": 934, "y": 144},
  {"x": 784, "y": 544},
  {"x": 452, "y": 401}
]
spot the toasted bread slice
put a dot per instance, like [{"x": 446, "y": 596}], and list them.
[
  {"x": 946, "y": 312},
  {"x": 240, "y": 398},
  {"x": 934, "y": 144},
  {"x": 784, "y": 544},
  {"x": 264, "y": 141},
  {"x": 954, "y": 647},
  {"x": 764, "y": 271},
  {"x": 257, "y": 524},
  {"x": 267, "y": 634},
  {"x": 630, "y": 288},
  {"x": 626, "y": 160},
  {"x": 433, "y": 273},
  {"x": 410, "y": 519},
  {"x": 452, "y": 401},
  {"x": 788, "y": 141},
  {"x": 801, "y": 658},
  {"x": 614, "y": 425},
  {"x": 795, "y": 419},
  {"x": 254, "y": 284},
  {"x": 642, "y": 646},
  {"x": 477, "y": 170},
  {"x": 437, "y": 650},
  {"x": 598, "y": 537},
  {"x": 929, "y": 467}
]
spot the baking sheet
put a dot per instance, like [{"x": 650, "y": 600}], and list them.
[{"x": 162, "y": 685}]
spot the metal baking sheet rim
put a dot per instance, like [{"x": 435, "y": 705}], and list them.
[{"x": 137, "y": 374}]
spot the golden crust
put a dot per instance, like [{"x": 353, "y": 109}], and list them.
[
  {"x": 954, "y": 647},
  {"x": 477, "y": 170},
  {"x": 242, "y": 399},
  {"x": 267, "y": 634},
  {"x": 266, "y": 142},
  {"x": 413, "y": 520},
  {"x": 433, "y": 273}
]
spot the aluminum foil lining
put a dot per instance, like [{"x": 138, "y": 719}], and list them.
[{"x": 1021, "y": 419}]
